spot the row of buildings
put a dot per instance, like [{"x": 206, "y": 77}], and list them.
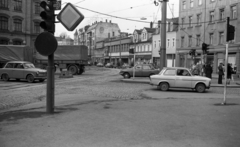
[{"x": 199, "y": 21}]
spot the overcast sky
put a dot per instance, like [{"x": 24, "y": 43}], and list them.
[{"x": 129, "y": 9}]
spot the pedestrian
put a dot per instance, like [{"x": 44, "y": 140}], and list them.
[
  {"x": 229, "y": 73},
  {"x": 220, "y": 73},
  {"x": 208, "y": 71}
]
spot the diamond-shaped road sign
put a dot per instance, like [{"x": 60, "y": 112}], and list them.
[{"x": 70, "y": 17}]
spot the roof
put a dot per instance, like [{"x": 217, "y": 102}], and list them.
[
  {"x": 150, "y": 30},
  {"x": 18, "y": 62}
]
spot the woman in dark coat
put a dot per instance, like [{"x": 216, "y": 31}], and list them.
[
  {"x": 220, "y": 73},
  {"x": 229, "y": 73},
  {"x": 208, "y": 71}
]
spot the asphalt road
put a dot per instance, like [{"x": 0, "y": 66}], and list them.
[{"x": 102, "y": 111}]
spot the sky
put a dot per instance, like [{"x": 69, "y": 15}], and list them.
[{"x": 136, "y": 10}]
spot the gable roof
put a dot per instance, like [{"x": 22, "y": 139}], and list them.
[{"x": 150, "y": 30}]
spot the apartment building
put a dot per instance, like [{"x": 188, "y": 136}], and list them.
[
  {"x": 204, "y": 21},
  {"x": 19, "y": 21}
]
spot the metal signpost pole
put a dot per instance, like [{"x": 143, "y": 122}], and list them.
[
  {"x": 225, "y": 76},
  {"x": 133, "y": 66},
  {"x": 163, "y": 35}
]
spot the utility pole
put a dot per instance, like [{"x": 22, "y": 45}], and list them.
[{"x": 163, "y": 35}]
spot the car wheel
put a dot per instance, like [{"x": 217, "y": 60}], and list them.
[
  {"x": 73, "y": 69},
  {"x": 164, "y": 86},
  {"x": 41, "y": 80},
  {"x": 5, "y": 77},
  {"x": 200, "y": 88},
  {"x": 30, "y": 78},
  {"x": 126, "y": 75}
]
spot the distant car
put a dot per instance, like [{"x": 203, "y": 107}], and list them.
[
  {"x": 140, "y": 70},
  {"x": 22, "y": 70},
  {"x": 125, "y": 66},
  {"x": 99, "y": 65},
  {"x": 109, "y": 65},
  {"x": 179, "y": 77}
]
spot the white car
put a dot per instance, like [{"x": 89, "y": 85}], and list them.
[
  {"x": 22, "y": 70},
  {"x": 179, "y": 77}
]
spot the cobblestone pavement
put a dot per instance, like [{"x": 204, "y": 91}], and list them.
[{"x": 97, "y": 82}]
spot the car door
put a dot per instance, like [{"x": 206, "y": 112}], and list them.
[
  {"x": 146, "y": 70},
  {"x": 138, "y": 70},
  {"x": 18, "y": 71},
  {"x": 9, "y": 69},
  {"x": 183, "y": 79}
]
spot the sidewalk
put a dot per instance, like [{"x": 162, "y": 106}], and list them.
[{"x": 146, "y": 80}]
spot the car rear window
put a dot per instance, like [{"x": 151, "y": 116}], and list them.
[{"x": 170, "y": 72}]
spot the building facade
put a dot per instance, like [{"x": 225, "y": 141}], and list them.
[
  {"x": 98, "y": 31},
  {"x": 116, "y": 50},
  {"x": 19, "y": 22},
  {"x": 204, "y": 21}
]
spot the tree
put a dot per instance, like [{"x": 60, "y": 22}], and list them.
[{"x": 63, "y": 35}]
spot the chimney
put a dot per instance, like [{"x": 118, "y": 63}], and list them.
[
  {"x": 151, "y": 24},
  {"x": 106, "y": 20},
  {"x": 110, "y": 21}
]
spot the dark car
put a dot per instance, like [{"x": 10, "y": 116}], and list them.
[{"x": 140, "y": 70}]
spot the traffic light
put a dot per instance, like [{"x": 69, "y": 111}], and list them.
[
  {"x": 48, "y": 16},
  {"x": 205, "y": 48},
  {"x": 131, "y": 50},
  {"x": 230, "y": 31}
]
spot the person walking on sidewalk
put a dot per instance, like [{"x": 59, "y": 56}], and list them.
[
  {"x": 220, "y": 73},
  {"x": 229, "y": 73},
  {"x": 208, "y": 71}
]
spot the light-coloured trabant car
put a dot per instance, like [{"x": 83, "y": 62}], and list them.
[
  {"x": 179, "y": 77},
  {"x": 22, "y": 70}
]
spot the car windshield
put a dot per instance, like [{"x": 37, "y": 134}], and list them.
[
  {"x": 162, "y": 71},
  {"x": 28, "y": 65}
]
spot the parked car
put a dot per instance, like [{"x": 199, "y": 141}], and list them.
[
  {"x": 99, "y": 65},
  {"x": 141, "y": 70},
  {"x": 109, "y": 65},
  {"x": 22, "y": 70},
  {"x": 179, "y": 77}
]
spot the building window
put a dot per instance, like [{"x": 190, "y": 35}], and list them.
[
  {"x": 221, "y": 14},
  {"x": 168, "y": 42},
  {"x": 173, "y": 42},
  {"x": 37, "y": 8},
  {"x": 211, "y": 17},
  {"x": 3, "y": 23},
  {"x": 18, "y": 5},
  {"x": 183, "y": 21},
  {"x": 234, "y": 12},
  {"x": 199, "y": 17},
  {"x": 221, "y": 37},
  {"x": 191, "y": 3},
  {"x": 3, "y": 41},
  {"x": 211, "y": 38},
  {"x": 36, "y": 27},
  {"x": 189, "y": 41},
  {"x": 199, "y": 2},
  {"x": 184, "y": 5},
  {"x": 198, "y": 40},
  {"x": 17, "y": 25},
  {"x": 212, "y": 0},
  {"x": 3, "y": 3},
  {"x": 182, "y": 41},
  {"x": 17, "y": 42},
  {"x": 190, "y": 21},
  {"x": 155, "y": 44}
]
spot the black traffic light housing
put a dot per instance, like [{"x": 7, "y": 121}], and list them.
[
  {"x": 48, "y": 16},
  {"x": 205, "y": 48},
  {"x": 230, "y": 31},
  {"x": 131, "y": 50}
]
